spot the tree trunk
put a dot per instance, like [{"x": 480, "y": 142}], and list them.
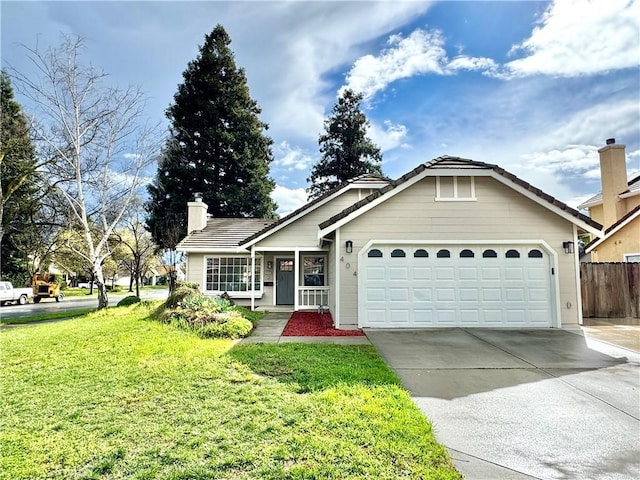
[{"x": 103, "y": 298}]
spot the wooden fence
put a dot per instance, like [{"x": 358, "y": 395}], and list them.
[{"x": 610, "y": 290}]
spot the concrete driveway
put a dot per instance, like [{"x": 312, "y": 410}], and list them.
[{"x": 522, "y": 404}]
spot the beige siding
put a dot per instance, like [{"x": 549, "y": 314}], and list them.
[
  {"x": 304, "y": 232},
  {"x": 625, "y": 241},
  {"x": 196, "y": 274},
  {"x": 499, "y": 213}
]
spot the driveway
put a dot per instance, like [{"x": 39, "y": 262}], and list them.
[{"x": 522, "y": 404}]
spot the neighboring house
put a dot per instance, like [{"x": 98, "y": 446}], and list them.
[
  {"x": 454, "y": 242},
  {"x": 617, "y": 208}
]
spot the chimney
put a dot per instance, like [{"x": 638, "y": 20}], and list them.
[
  {"x": 197, "y": 214},
  {"x": 613, "y": 174}
]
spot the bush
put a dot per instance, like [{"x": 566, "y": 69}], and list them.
[
  {"x": 130, "y": 300},
  {"x": 190, "y": 309}
]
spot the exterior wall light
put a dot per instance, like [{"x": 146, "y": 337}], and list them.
[
  {"x": 348, "y": 246},
  {"x": 568, "y": 247},
  {"x": 269, "y": 265}
]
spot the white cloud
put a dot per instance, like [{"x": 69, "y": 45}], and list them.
[
  {"x": 581, "y": 37},
  {"x": 389, "y": 136},
  {"x": 291, "y": 158},
  {"x": 288, "y": 199},
  {"x": 572, "y": 160},
  {"x": 419, "y": 53}
]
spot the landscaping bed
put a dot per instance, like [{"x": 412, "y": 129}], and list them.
[{"x": 117, "y": 395}]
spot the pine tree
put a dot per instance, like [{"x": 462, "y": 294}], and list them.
[
  {"x": 18, "y": 189},
  {"x": 346, "y": 150},
  {"x": 217, "y": 145}
]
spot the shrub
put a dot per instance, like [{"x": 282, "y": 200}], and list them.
[
  {"x": 227, "y": 325},
  {"x": 190, "y": 309},
  {"x": 130, "y": 300}
]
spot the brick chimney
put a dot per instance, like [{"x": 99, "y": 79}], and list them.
[
  {"x": 613, "y": 174},
  {"x": 197, "y": 214}
]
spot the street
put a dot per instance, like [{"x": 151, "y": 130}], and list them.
[{"x": 72, "y": 303}]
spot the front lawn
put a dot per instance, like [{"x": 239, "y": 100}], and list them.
[{"x": 121, "y": 396}]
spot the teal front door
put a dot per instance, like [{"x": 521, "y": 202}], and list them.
[{"x": 284, "y": 281}]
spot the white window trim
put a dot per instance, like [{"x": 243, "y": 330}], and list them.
[
  {"x": 324, "y": 274},
  {"x": 455, "y": 197},
  {"x": 246, "y": 294},
  {"x": 625, "y": 256}
]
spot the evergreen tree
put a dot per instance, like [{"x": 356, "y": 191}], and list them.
[
  {"x": 18, "y": 181},
  {"x": 217, "y": 146},
  {"x": 346, "y": 150}
]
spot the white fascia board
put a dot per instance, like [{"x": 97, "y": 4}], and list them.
[
  {"x": 301, "y": 214},
  {"x": 211, "y": 250},
  {"x": 629, "y": 194},
  {"x": 543, "y": 203},
  {"x": 613, "y": 232}
]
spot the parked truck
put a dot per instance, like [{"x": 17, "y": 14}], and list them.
[
  {"x": 45, "y": 285},
  {"x": 8, "y": 294}
]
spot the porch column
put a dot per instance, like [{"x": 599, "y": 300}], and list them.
[
  {"x": 296, "y": 279},
  {"x": 253, "y": 278},
  {"x": 336, "y": 286}
]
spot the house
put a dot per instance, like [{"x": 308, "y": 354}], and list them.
[
  {"x": 454, "y": 242},
  {"x": 617, "y": 208}
]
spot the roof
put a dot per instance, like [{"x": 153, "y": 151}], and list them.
[
  {"x": 223, "y": 233},
  {"x": 634, "y": 189},
  {"x": 367, "y": 180},
  {"x": 456, "y": 163},
  {"x": 613, "y": 229}
]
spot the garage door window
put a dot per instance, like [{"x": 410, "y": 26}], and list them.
[
  {"x": 466, "y": 253},
  {"x": 398, "y": 253},
  {"x": 443, "y": 254},
  {"x": 535, "y": 253},
  {"x": 512, "y": 254},
  {"x": 421, "y": 253},
  {"x": 489, "y": 254},
  {"x": 375, "y": 253}
]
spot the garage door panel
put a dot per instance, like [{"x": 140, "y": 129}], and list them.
[
  {"x": 376, "y": 273},
  {"x": 376, "y": 294},
  {"x": 499, "y": 289},
  {"x": 421, "y": 273},
  {"x": 445, "y": 273},
  {"x": 399, "y": 294},
  {"x": 399, "y": 273},
  {"x": 445, "y": 294},
  {"x": 468, "y": 273},
  {"x": 468, "y": 294},
  {"x": 422, "y": 294}
]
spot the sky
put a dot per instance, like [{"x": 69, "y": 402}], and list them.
[{"x": 535, "y": 87}]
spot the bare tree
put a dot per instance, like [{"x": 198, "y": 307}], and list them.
[
  {"x": 98, "y": 138},
  {"x": 138, "y": 242}
]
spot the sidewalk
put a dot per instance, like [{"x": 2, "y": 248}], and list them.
[{"x": 269, "y": 330}]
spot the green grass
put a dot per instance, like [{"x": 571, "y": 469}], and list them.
[
  {"x": 41, "y": 317},
  {"x": 114, "y": 396}
]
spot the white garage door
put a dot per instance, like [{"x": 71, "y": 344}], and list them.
[{"x": 467, "y": 286}]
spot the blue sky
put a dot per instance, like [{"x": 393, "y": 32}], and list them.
[{"x": 535, "y": 87}]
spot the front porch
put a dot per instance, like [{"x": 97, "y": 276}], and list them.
[{"x": 290, "y": 279}]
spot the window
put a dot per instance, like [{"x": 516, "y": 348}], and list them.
[
  {"x": 421, "y": 252},
  {"x": 443, "y": 254},
  {"x": 375, "y": 253},
  {"x": 466, "y": 253},
  {"x": 232, "y": 274},
  {"x": 535, "y": 253},
  {"x": 313, "y": 271},
  {"x": 489, "y": 254},
  {"x": 632, "y": 257},
  {"x": 512, "y": 254},
  {"x": 455, "y": 188},
  {"x": 398, "y": 253}
]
